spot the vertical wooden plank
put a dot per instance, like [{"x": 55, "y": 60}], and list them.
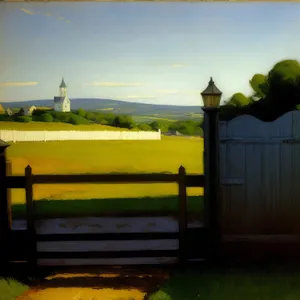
[
  {"x": 9, "y": 207},
  {"x": 31, "y": 231},
  {"x": 182, "y": 214},
  {"x": 223, "y": 160},
  {"x": 294, "y": 183}
]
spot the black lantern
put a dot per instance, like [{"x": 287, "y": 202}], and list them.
[{"x": 211, "y": 95}]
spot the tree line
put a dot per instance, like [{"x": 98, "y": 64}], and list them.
[{"x": 82, "y": 117}]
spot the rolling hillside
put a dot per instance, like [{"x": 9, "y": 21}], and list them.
[{"x": 171, "y": 112}]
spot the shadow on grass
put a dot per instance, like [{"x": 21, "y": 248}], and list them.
[
  {"x": 10, "y": 288},
  {"x": 142, "y": 278},
  {"x": 15, "y": 281},
  {"x": 231, "y": 284},
  {"x": 146, "y": 206}
]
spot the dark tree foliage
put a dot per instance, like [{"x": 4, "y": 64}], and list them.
[{"x": 279, "y": 94}]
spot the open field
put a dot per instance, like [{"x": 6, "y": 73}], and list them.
[
  {"x": 231, "y": 285},
  {"x": 55, "y": 126},
  {"x": 70, "y": 157},
  {"x": 149, "y": 119}
]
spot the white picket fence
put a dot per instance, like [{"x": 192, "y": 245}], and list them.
[{"x": 37, "y": 136}]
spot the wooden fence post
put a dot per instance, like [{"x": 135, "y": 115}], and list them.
[
  {"x": 4, "y": 223},
  {"x": 212, "y": 185},
  {"x": 182, "y": 215},
  {"x": 9, "y": 206},
  {"x": 31, "y": 232}
]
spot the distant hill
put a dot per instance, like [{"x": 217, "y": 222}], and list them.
[{"x": 122, "y": 107}]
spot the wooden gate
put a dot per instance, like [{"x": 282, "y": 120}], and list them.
[{"x": 56, "y": 242}]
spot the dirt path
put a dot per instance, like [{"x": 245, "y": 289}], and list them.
[{"x": 96, "y": 284}]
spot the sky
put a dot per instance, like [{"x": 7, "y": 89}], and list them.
[{"x": 160, "y": 53}]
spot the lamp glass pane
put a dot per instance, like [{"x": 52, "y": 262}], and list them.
[{"x": 211, "y": 100}]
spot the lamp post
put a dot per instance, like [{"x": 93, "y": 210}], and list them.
[{"x": 211, "y": 98}]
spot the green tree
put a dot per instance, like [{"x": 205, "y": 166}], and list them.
[
  {"x": 259, "y": 85},
  {"x": 239, "y": 100},
  {"x": 123, "y": 122},
  {"x": 80, "y": 112},
  {"x": 163, "y": 126}
]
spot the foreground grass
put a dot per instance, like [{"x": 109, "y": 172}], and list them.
[
  {"x": 93, "y": 207},
  {"x": 231, "y": 285},
  {"x": 55, "y": 126},
  {"x": 11, "y": 288},
  {"x": 79, "y": 157}
]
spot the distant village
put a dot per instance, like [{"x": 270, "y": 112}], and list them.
[{"x": 61, "y": 103}]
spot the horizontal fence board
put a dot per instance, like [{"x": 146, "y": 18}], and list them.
[
  {"x": 105, "y": 225},
  {"x": 102, "y": 245},
  {"x": 108, "y": 236},
  {"x": 105, "y": 178},
  {"x": 109, "y": 254},
  {"x": 108, "y": 261},
  {"x": 15, "y": 182},
  {"x": 262, "y": 238},
  {"x": 195, "y": 180},
  {"x": 19, "y": 181}
]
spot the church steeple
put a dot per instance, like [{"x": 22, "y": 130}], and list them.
[
  {"x": 63, "y": 88},
  {"x": 62, "y": 85}
]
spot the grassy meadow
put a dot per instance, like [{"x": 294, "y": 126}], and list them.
[{"x": 74, "y": 157}]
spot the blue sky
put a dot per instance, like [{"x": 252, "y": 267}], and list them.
[{"x": 161, "y": 53}]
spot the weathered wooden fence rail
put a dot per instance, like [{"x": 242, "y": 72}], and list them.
[{"x": 26, "y": 182}]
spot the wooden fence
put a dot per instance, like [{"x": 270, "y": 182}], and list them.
[
  {"x": 26, "y": 182},
  {"x": 260, "y": 182},
  {"x": 76, "y": 135}
]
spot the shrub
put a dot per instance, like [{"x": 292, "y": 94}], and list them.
[
  {"x": 4, "y": 117},
  {"x": 78, "y": 120},
  {"x": 64, "y": 117},
  {"x": 144, "y": 127},
  {"x": 104, "y": 122},
  {"x": 46, "y": 118},
  {"x": 90, "y": 116},
  {"x": 23, "y": 119}
]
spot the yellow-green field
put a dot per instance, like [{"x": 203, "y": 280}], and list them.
[
  {"x": 70, "y": 157},
  {"x": 54, "y": 126}
]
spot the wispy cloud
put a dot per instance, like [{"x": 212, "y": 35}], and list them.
[
  {"x": 167, "y": 92},
  {"x": 178, "y": 65},
  {"x": 20, "y": 83},
  {"x": 115, "y": 84},
  {"x": 27, "y": 11},
  {"x": 30, "y": 12}
]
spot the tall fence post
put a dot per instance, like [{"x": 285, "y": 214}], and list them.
[
  {"x": 182, "y": 215},
  {"x": 4, "y": 218},
  {"x": 212, "y": 183},
  {"x": 31, "y": 231},
  {"x": 9, "y": 205}
]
